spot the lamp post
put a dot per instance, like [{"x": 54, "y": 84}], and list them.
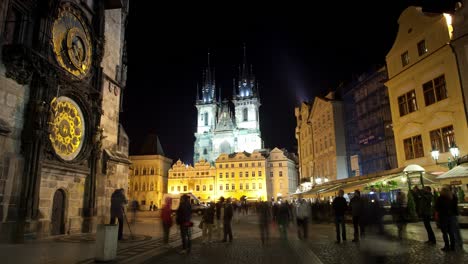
[{"x": 455, "y": 153}]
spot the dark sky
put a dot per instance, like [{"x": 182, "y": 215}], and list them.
[{"x": 297, "y": 51}]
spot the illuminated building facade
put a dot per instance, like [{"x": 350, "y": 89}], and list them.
[
  {"x": 328, "y": 137},
  {"x": 221, "y": 130},
  {"x": 282, "y": 173},
  {"x": 198, "y": 179},
  {"x": 305, "y": 141},
  {"x": 425, "y": 92},
  {"x": 258, "y": 175},
  {"x": 242, "y": 174},
  {"x": 149, "y": 174},
  {"x": 62, "y": 149}
]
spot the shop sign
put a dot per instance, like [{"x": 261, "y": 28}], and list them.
[{"x": 455, "y": 182}]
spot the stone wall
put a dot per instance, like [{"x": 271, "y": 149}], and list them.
[
  {"x": 73, "y": 184},
  {"x": 13, "y": 99}
]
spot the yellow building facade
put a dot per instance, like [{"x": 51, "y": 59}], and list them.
[
  {"x": 198, "y": 179},
  {"x": 328, "y": 138},
  {"x": 424, "y": 90},
  {"x": 148, "y": 179},
  {"x": 242, "y": 174},
  {"x": 305, "y": 141}
]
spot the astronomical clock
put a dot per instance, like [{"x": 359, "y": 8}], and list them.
[
  {"x": 67, "y": 128},
  {"x": 72, "y": 43}
]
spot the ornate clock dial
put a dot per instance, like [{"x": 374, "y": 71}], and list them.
[
  {"x": 67, "y": 128},
  {"x": 72, "y": 43}
]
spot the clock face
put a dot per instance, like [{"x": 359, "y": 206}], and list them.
[
  {"x": 72, "y": 43},
  {"x": 67, "y": 128}
]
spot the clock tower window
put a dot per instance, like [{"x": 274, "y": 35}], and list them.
[
  {"x": 245, "y": 114},
  {"x": 206, "y": 119}
]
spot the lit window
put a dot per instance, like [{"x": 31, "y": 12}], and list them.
[
  {"x": 232, "y": 174},
  {"x": 281, "y": 173},
  {"x": 233, "y": 187},
  {"x": 259, "y": 173},
  {"x": 260, "y": 186},
  {"x": 197, "y": 188},
  {"x": 422, "y": 47},
  {"x": 246, "y": 174},
  {"x": 253, "y": 173}
]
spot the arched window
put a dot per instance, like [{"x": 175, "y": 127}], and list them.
[
  {"x": 205, "y": 151},
  {"x": 206, "y": 119},
  {"x": 245, "y": 114},
  {"x": 152, "y": 171}
]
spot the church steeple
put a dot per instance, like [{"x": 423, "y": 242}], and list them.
[
  {"x": 246, "y": 83},
  {"x": 208, "y": 88}
]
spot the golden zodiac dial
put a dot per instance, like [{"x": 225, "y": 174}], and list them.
[
  {"x": 71, "y": 42},
  {"x": 66, "y": 128}
]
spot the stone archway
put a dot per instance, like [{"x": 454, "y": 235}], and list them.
[{"x": 58, "y": 213}]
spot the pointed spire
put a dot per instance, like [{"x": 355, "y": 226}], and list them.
[{"x": 244, "y": 65}]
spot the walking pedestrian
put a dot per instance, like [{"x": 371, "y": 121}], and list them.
[
  {"x": 283, "y": 219},
  {"x": 264, "y": 218},
  {"x": 340, "y": 206},
  {"x": 219, "y": 217},
  {"x": 426, "y": 213},
  {"x": 208, "y": 221},
  {"x": 118, "y": 201},
  {"x": 400, "y": 215},
  {"x": 228, "y": 212},
  {"x": 445, "y": 209},
  {"x": 357, "y": 211},
  {"x": 302, "y": 218},
  {"x": 166, "y": 217},
  {"x": 184, "y": 217}
]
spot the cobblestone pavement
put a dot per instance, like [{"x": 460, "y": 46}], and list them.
[{"x": 319, "y": 248}]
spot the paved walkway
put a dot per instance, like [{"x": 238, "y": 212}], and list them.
[
  {"x": 146, "y": 247},
  {"x": 80, "y": 248}
]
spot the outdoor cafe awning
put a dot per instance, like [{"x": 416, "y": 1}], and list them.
[{"x": 457, "y": 172}]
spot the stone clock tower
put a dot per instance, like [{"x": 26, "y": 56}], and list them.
[{"x": 62, "y": 150}]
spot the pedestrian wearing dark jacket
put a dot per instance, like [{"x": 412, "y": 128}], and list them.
[
  {"x": 166, "y": 219},
  {"x": 357, "y": 211},
  {"x": 340, "y": 206},
  {"x": 444, "y": 207},
  {"x": 208, "y": 222},
  {"x": 228, "y": 213},
  {"x": 183, "y": 219},
  {"x": 118, "y": 201},
  {"x": 264, "y": 218},
  {"x": 426, "y": 213},
  {"x": 284, "y": 217}
]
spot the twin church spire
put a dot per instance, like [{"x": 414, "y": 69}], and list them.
[{"x": 246, "y": 86}]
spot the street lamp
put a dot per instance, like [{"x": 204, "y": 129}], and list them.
[{"x": 454, "y": 150}]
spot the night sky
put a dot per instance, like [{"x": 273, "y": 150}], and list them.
[{"x": 298, "y": 51}]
